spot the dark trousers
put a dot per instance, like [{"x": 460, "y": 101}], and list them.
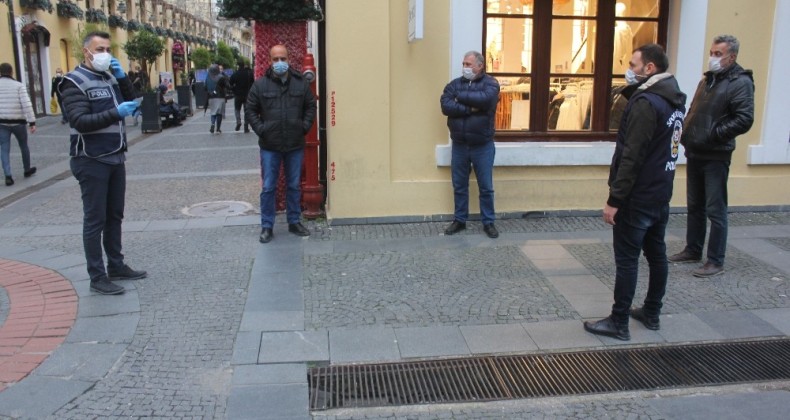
[
  {"x": 639, "y": 227},
  {"x": 706, "y": 196},
  {"x": 238, "y": 103},
  {"x": 103, "y": 189}
]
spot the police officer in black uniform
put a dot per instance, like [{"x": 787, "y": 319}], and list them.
[{"x": 97, "y": 96}]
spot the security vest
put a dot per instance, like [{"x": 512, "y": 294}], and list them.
[{"x": 103, "y": 93}]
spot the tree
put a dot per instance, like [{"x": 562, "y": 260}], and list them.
[
  {"x": 78, "y": 37},
  {"x": 270, "y": 10},
  {"x": 201, "y": 58},
  {"x": 145, "y": 47},
  {"x": 224, "y": 56}
]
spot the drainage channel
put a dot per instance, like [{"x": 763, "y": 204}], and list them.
[{"x": 489, "y": 378}]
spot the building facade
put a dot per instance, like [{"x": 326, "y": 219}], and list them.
[
  {"x": 46, "y": 32},
  {"x": 388, "y": 148}
]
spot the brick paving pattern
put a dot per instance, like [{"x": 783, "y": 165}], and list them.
[{"x": 42, "y": 309}]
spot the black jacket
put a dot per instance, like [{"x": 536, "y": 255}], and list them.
[
  {"x": 96, "y": 127},
  {"x": 280, "y": 113},
  {"x": 241, "y": 81},
  {"x": 722, "y": 109},
  {"x": 459, "y": 97},
  {"x": 643, "y": 164}
]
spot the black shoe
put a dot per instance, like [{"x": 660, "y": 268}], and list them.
[
  {"x": 9, "y": 181},
  {"x": 266, "y": 235},
  {"x": 683, "y": 257},
  {"x": 219, "y": 131},
  {"x": 491, "y": 231},
  {"x": 298, "y": 230},
  {"x": 30, "y": 172},
  {"x": 246, "y": 128},
  {"x": 104, "y": 286},
  {"x": 650, "y": 322},
  {"x": 126, "y": 273},
  {"x": 609, "y": 328},
  {"x": 211, "y": 130},
  {"x": 238, "y": 126},
  {"x": 455, "y": 227}
]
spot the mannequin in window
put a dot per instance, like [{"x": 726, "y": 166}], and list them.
[{"x": 623, "y": 42}]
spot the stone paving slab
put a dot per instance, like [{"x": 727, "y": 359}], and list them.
[
  {"x": 509, "y": 338},
  {"x": 294, "y": 373},
  {"x": 294, "y": 346},
  {"x": 38, "y": 397},
  {"x": 560, "y": 335},
  {"x": 738, "y": 324},
  {"x": 81, "y": 361},
  {"x": 284, "y": 402},
  {"x": 679, "y": 328},
  {"x": 760, "y": 405},
  {"x": 363, "y": 345},
  {"x": 104, "y": 329},
  {"x": 779, "y": 318},
  {"x": 431, "y": 342}
]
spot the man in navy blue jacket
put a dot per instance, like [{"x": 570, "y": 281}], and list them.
[
  {"x": 640, "y": 187},
  {"x": 469, "y": 102}
]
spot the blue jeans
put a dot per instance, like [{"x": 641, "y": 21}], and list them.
[
  {"x": 103, "y": 189},
  {"x": 706, "y": 195},
  {"x": 20, "y": 132},
  {"x": 481, "y": 159},
  {"x": 270, "y": 171},
  {"x": 639, "y": 226}
]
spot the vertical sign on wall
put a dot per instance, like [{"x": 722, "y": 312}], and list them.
[{"x": 415, "y": 19}]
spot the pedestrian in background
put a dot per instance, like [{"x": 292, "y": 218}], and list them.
[
  {"x": 16, "y": 111},
  {"x": 469, "y": 102},
  {"x": 281, "y": 109},
  {"x": 55, "y": 93},
  {"x": 97, "y": 97},
  {"x": 640, "y": 187},
  {"x": 217, "y": 87},
  {"x": 240, "y": 83},
  {"x": 722, "y": 109}
]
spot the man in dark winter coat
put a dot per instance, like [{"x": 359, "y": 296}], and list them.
[
  {"x": 469, "y": 102},
  {"x": 640, "y": 187},
  {"x": 240, "y": 83},
  {"x": 281, "y": 109},
  {"x": 722, "y": 109},
  {"x": 97, "y": 96}
]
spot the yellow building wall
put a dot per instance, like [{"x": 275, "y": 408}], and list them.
[
  {"x": 388, "y": 122},
  {"x": 385, "y": 119}
]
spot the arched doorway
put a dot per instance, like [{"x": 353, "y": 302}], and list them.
[{"x": 34, "y": 39}]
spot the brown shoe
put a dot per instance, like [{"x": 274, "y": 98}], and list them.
[
  {"x": 708, "y": 270},
  {"x": 684, "y": 256}
]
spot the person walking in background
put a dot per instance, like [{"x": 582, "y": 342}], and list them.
[
  {"x": 640, "y": 187},
  {"x": 240, "y": 83},
  {"x": 217, "y": 87},
  {"x": 722, "y": 109},
  {"x": 97, "y": 97},
  {"x": 16, "y": 111},
  {"x": 469, "y": 102},
  {"x": 55, "y": 92},
  {"x": 281, "y": 109}
]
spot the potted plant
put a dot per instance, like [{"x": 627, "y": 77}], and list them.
[
  {"x": 201, "y": 58},
  {"x": 67, "y": 9},
  {"x": 115, "y": 21},
  {"x": 44, "y": 5},
  {"x": 146, "y": 47},
  {"x": 95, "y": 16},
  {"x": 133, "y": 25}
]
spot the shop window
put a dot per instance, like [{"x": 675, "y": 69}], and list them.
[{"x": 569, "y": 56}]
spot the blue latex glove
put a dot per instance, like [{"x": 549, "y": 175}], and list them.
[
  {"x": 126, "y": 109},
  {"x": 117, "y": 71}
]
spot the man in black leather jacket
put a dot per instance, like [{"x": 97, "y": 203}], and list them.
[
  {"x": 281, "y": 109},
  {"x": 722, "y": 108}
]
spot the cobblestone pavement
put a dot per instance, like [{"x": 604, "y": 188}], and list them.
[{"x": 199, "y": 327}]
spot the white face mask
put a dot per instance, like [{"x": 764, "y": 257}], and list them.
[
  {"x": 101, "y": 61},
  {"x": 714, "y": 64},
  {"x": 468, "y": 73}
]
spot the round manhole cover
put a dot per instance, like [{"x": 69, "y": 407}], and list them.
[{"x": 218, "y": 209}]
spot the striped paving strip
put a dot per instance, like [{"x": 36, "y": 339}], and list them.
[{"x": 43, "y": 308}]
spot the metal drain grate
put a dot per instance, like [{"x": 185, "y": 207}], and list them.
[{"x": 543, "y": 375}]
